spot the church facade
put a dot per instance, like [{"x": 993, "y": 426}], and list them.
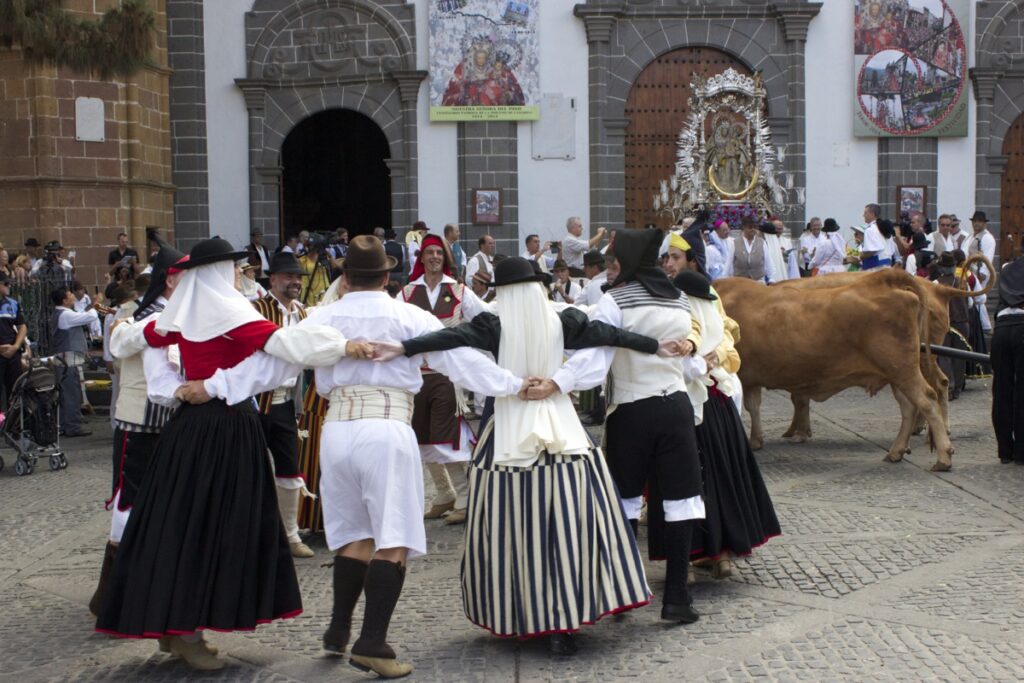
[{"x": 314, "y": 114}]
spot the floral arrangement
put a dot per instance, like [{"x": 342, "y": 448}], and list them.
[{"x": 733, "y": 214}]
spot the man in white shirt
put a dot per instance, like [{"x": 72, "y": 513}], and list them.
[
  {"x": 256, "y": 246},
  {"x": 593, "y": 268},
  {"x": 942, "y": 241},
  {"x": 483, "y": 260},
  {"x": 957, "y": 237},
  {"x": 291, "y": 245},
  {"x": 67, "y": 335},
  {"x": 751, "y": 258},
  {"x": 875, "y": 250},
  {"x": 984, "y": 243},
  {"x": 563, "y": 289},
  {"x": 574, "y": 246},
  {"x": 775, "y": 239},
  {"x": 535, "y": 251},
  {"x": 371, "y": 484},
  {"x": 810, "y": 241}
]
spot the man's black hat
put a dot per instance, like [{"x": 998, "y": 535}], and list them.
[
  {"x": 285, "y": 262},
  {"x": 515, "y": 270},
  {"x": 830, "y": 225},
  {"x": 166, "y": 256},
  {"x": 637, "y": 254},
  {"x": 979, "y": 216},
  {"x": 53, "y": 245},
  {"x": 210, "y": 251},
  {"x": 694, "y": 284},
  {"x": 32, "y": 242}
]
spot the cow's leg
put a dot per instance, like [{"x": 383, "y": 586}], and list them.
[
  {"x": 752, "y": 402},
  {"x": 800, "y": 428},
  {"x": 925, "y": 400},
  {"x": 908, "y": 413}
]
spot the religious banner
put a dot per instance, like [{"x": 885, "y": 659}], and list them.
[
  {"x": 483, "y": 60},
  {"x": 910, "y": 63}
]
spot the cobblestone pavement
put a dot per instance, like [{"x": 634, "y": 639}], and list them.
[{"x": 884, "y": 572}]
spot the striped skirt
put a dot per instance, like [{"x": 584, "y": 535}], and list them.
[{"x": 548, "y": 548}]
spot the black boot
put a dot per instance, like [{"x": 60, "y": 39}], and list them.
[
  {"x": 349, "y": 575},
  {"x": 676, "y": 603},
  {"x": 371, "y": 652},
  {"x": 634, "y": 524},
  {"x": 563, "y": 644},
  {"x": 96, "y": 603}
]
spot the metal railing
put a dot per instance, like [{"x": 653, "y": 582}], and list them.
[{"x": 33, "y": 294}]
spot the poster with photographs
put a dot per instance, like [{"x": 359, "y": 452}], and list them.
[
  {"x": 910, "y": 62},
  {"x": 483, "y": 60}
]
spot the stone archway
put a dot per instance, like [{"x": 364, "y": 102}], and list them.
[
  {"x": 335, "y": 174},
  {"x": 625, "y": 37},
  {"x": 656, "y": 108},
  {"x": 310, "y": 56}
]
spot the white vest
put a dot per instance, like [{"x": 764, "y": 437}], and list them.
[{"x": 636, "y": 375}]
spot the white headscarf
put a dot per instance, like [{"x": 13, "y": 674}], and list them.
[
  {"x": 532, "y": 344},
  {"x": 205, "y": 304}
]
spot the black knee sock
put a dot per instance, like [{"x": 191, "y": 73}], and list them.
[
  {"x": 383, "y": 586},
  {"x": 635, "y": 526},
  {"x": 349, "y": 576},
  {"x": 678, "y": 539}
]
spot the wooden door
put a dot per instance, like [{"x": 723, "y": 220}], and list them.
[
  {"x": 1011, "y": 230},
  {"x": 656, "y": 108}
]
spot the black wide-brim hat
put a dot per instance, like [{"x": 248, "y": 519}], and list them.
[
  {"x": 979, "y": 216},
  {"x": 366, "y": 256},
  {"x": 830, "y": 225},
  {"x": 213, "y": 250},
  {"x": 285, "y": 262},
  {"x": 694, "y": 284},
  {"x": 515, "y": 270}
]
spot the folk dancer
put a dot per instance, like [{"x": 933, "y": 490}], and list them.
[
  {"x": 1008, "y": 365},
  {"x": 445, "y": 439},
  {"x": 830, "y": 254},
  {"x": 371, "y": 484},
  {"x": 207, "y": 498},
  {"x": 549, "y": 561},
  {"x": 650, "y": 426},
  {"x": 277, "y": 407},
  {"x": 138, "y": 420}
]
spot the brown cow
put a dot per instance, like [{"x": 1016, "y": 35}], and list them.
[
  {"x": 871, "y": 328},
  {"x": 936, "y": 298}
]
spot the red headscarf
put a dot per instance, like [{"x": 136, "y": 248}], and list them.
[{"x": 428, "y": 241}]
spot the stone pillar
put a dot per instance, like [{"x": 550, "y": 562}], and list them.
[
  {"x": 989, "y": 167},
  {"x": 404, "y": 194},
  {"x": 488, "y": 159},
  {"x": 186, "y": 51},
  {"x": 254, "y": 103},
  {"x": 907, "y": 161},
  {"x": 607, "y": 171},
  {"x": 795, "y": 20}
]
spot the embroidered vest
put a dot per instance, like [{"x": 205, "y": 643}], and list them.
[
  {"x": 268, "y": 307},
  {"x": 448, "y": 308}
]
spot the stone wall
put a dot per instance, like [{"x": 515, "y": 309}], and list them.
[
  {"x": 488, "y": 159},
  {"x": 53, "y": 186}
]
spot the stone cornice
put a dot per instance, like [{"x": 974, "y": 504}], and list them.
[
  {"x": 795, "y": 18},
  {"x": 985, "y": 80},
  {"x": 409, "y": 84},
  {"x": 84, "y": 181}
]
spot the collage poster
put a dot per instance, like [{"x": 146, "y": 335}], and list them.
[
  {"x": 483, "y": 60},
  {"x": 910, "y": 62}
]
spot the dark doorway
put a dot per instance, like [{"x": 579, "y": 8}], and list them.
[{"x": 335, "y": 175}]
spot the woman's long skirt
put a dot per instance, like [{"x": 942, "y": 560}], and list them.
[
  {"x": 740, "y": 514},
  {"x": 548, "y": 547},
  {"x": 311, "y": 514},
  {"x": 204, "y": 547}
]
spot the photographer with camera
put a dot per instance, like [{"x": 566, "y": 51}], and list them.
[
  {"x": 542, "y": 254},
  {"x": 574, "y": 245},
  {"x": 53, "y": 265},
  {"x": 318, "y": 268}
]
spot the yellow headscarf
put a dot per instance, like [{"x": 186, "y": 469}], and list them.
[{"x": 676, "y": 240}]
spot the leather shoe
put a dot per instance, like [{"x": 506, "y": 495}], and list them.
[
  {"x": 562, "y": 644},
  {"x": 300, "y": 549},
  {"x": 456, "y": 517},
  {"x": 683, "y": 614},
  {"x": 437, "y": 511},
  {"x": 385, "y": 668},
  {"x": 591, "y": 421}
]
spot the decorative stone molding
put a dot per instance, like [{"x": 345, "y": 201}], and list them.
[
  {"x": 795, "y": 18},
  {"x": 599, "y": 28},
  {"x": 409, "y": 84},
  {"x": 985, "y": 81},
  {"x": 997, "y": 164}
]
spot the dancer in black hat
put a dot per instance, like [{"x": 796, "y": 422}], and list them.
[{"x": 204, "y": 547}]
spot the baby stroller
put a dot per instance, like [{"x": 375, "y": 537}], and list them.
[{"x": 31, "y": 424}]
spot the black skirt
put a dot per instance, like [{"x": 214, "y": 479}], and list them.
[
  {"x": 204, "y": 547},
  {"x": 740, "y": 514}
]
